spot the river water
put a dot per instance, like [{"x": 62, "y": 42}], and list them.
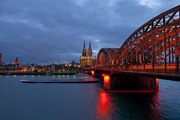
[{"x": 71, "y": 101}]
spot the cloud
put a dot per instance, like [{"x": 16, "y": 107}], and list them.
[
  {"x": 44, "y": 31},
  {"x": 150, "y": 3}
]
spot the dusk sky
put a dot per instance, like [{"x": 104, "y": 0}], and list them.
[{"x": 47, "y": 31}]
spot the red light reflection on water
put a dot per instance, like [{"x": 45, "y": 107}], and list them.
[
  {"x": 157, "y": 84},
  {"x": 104, "y": 106}
]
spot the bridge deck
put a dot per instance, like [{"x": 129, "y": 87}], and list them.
[{"x": 161, "y": 75}]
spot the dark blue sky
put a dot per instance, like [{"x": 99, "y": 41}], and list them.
[{"x": 43, "y": 31}]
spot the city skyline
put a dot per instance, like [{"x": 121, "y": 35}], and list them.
[{"x": 46, "y": 31}]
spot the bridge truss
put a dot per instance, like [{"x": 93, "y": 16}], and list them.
[
  {"x": 155, "y": 46},
  {"x": 105, "y": 57}
]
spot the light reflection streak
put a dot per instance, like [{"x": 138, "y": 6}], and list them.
[
  {"x": 108, "y": 105},
  {"x": 104, "y": 106}
]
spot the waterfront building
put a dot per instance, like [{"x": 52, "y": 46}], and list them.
[
  {"x": 87, "y": 60},
  {"x": 7, "y": 67},
  {"x": 0, "y": 58}
]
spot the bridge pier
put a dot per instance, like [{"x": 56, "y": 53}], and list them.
[
  {"x": 126, "y": 82},
  {"x": 99, "y": 74}
]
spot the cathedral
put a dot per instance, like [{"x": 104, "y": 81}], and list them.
[{"x": 87, "y": 60}]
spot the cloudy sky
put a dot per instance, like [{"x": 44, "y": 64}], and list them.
[{"x": 47, "y": 31}]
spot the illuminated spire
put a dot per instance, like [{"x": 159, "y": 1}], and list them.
[
  {"x": 89, "y": 50},
  {"x": 84, "y": 50},
  {"x": 84, "y": 45},
  {"x": 89, "y": 45}
]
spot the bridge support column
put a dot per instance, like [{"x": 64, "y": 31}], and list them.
[
  {"x": 177, "y": 52},
  {"x": 164, "y": 49},
  {"x": 153, "y": 50},
  {"x": 126, "y": 82}
]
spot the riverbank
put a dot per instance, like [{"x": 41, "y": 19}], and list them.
[{"x": 38, "y": 73}]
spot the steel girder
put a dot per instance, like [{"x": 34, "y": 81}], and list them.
[
  {"x": 153, "y": 46},
  {"x": 105, "y": 57}
]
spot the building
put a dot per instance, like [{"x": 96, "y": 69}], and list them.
[
  {"x": 16, "y": 61},
  {"x": 87, "y": 60},
  {"x": 0, "y": 58}
]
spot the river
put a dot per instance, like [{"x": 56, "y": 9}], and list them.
[{"x": 87, "y": 101}]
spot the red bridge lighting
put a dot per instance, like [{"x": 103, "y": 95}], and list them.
[
  {"x": 106, "y": 82},
  {"x": 92, "y": 73},
  {"x": 103, "y": 75},
  {"x": 106, "y": 78}
]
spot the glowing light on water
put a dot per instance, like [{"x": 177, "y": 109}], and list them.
[{"x": 104, "y": 106}]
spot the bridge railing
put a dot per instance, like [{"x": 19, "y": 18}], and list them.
[{"x": 140, "y": 71}]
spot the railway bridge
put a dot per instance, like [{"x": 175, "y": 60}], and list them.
[{"x": 150, "y": 52}]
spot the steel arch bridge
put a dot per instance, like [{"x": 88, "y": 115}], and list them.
[
  {"x": 105, "y": 57},
  {"x": 155, "y": 46}
]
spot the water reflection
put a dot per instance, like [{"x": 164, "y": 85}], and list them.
[
  {"x": 104, "y": 106},
  {"x": 128, "y": 106},
  {"x": 14, "y": 75},
  {"x": 84, "y": 101}
]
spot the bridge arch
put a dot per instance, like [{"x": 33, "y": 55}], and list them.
[
  {"x": 105, "y": 57},
  {"x": 153, "y": 46}
]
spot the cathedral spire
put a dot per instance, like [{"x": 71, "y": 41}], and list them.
[
  {"x": 84, "y": 50},
  {"x": 89, "y": 50},
  {"x": 84, "y": 45},
  {"x": 89, "y": 45}
]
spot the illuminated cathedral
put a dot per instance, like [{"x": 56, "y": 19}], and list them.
[{"x": 87, "y": 60}]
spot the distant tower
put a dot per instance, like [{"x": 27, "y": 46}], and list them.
[
  {"x": 73, "y": 62},
  {"x": 16, "y": 61},
  {"x": 89, "y": 50},
  {"x": 0, "y": 58},
  {"x": 84, "y": 50}
]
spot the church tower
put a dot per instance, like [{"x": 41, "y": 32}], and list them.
[
  {"x": 89, "y": 50},
  {"x": 84, "y": 50},
  {"x": 16, "y": 61}
]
